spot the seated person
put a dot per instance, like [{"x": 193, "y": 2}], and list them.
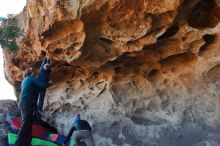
[{"x": 80, "y": 130}]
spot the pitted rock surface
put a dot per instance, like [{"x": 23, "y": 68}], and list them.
[{"x": 142, "y": 72}]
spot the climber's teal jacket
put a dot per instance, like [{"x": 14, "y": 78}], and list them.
[{"x": 30, "y": 87}]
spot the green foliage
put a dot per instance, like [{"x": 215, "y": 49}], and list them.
[{"x": 9, "y": 31}]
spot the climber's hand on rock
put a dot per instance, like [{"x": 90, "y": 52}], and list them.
[
  {"x": 50, "y": 82},
  {"x": 48, "y": 56}
]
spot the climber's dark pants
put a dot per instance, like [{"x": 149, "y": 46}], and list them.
[
  {"x": 41, "y": 99},
  {"x": 25, "y": 132}
]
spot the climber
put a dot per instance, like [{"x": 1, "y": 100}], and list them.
[
  {"x": 82, "y": 131},
  {"x": 29, "y": 90},
  {"x": 44, "y": 75}
]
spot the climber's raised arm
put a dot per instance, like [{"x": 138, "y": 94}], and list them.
[{"x": 45, "y": 61}]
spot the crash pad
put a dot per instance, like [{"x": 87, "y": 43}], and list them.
[
  {"x": 57, "y": 138},
  {"x": 15, "y": 123},
  {"x": 35, "y": 141},
  {"x": 71, "y": 143}
]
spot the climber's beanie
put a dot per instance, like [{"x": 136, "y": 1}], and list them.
[
  {"x": 28, "y": 71},
  {"x": 76, "y": 118}
]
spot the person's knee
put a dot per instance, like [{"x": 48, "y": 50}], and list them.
[
  {"x": 76, "y": 137},
  {"x": 82, "y": 134}
]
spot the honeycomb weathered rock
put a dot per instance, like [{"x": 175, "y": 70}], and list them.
[{"x": 142, "y": 72}]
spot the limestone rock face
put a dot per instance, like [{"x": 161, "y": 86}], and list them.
[{"x": 142, "y": 72}]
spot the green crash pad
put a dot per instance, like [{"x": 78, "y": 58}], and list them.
[
  {"x": 72, "y": 143},
  {"x": 35, "y": 141}
]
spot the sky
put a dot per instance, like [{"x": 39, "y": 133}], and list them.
[{"x": 8, "y": 7}]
